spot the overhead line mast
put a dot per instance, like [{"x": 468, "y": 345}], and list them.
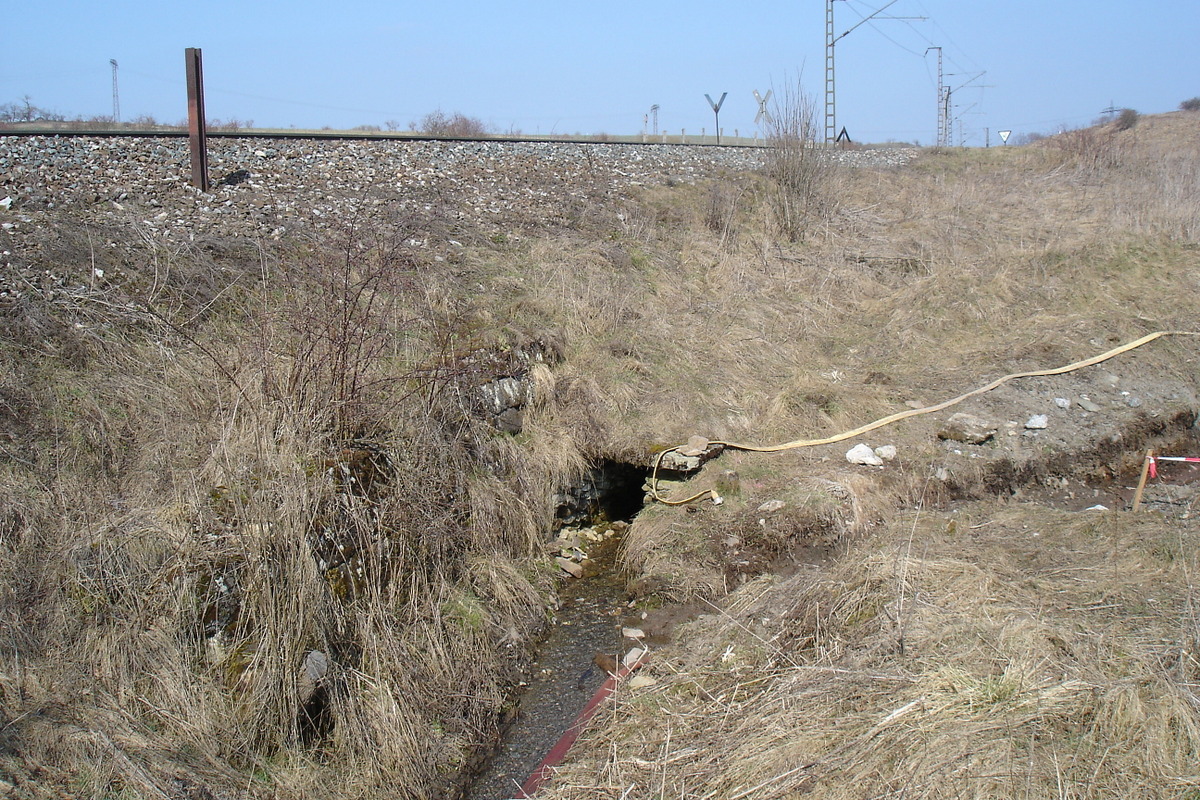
[{"x": 116, "y": 95}]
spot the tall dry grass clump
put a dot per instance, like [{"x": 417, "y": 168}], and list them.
[
  {"x": 1094, "y": 149},
  {"x": 276, "y": 550},
  {"x": 931, "y": 662}
]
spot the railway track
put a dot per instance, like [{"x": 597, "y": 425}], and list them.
[{"x": 693, "y": 140}]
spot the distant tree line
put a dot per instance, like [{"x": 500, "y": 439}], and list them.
[{"x": 25, "y": 110}]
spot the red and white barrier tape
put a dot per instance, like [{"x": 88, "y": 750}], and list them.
[{"x": 1155, "y": 459}]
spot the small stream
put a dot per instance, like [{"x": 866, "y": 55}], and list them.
[{"x": 563, "y": 678}]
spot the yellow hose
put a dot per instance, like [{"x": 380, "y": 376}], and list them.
[{"x": 888, "y": 420}]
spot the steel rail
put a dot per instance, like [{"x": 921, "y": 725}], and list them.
[{"x": 182, "y": 133}]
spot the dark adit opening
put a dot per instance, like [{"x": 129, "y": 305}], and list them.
[{"x": 611, "y": 491}]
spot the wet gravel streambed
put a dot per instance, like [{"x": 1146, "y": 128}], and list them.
[{"x": 563, "y": 677}]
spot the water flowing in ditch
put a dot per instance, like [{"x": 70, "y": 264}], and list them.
[{"x": 563, "y": 677}]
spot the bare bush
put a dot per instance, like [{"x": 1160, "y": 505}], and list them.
[
  {"x": 1191, "y": 104},
  {"x": 231, "y": 124},
  {"x": 1126, "y": 119},
  {"x": 26, "y": 111},
  {"x": 322, "y": 344},
  {"x": 721, "y": 212},
  {"x": 438, "y": 123},
  {"x": 796, "y": 169}
]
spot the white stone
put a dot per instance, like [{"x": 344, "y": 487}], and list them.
[
  {"x": 316, "y": 665},
  {"x": 863, "y": 454},
  {"x": 771, "y": 506},
  {"x": 887, "y": 452},
  {"x": 1062, "y": 402},
  {"x": 633, "y": 633},
  {"x": 632, "y": 657},
  {"x": 1037, "y": 422}
]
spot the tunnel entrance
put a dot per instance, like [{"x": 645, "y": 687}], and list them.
[{"x": 611, "y": 491}]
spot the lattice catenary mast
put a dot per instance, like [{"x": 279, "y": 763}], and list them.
[
  {"x": 943, "y": 103},
  {"x": 116, "y": 94}
]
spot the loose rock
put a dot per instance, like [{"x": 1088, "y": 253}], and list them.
[
  {"x": 864, "y": 455},
  {"x": 569, "y": 566},
  {"x": 967, "y": 428}
]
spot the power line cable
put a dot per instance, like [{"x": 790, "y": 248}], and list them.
[
  {"x": 881, "y": 33},
  {"x": 946, "y": 35}
]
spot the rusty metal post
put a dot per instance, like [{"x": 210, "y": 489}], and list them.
[{"x": 197, "y": 136}]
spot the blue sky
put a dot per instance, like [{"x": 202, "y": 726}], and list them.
[{"x": 567, "y": 67}]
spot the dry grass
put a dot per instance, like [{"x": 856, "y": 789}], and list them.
[
  {"x": 998, "y": 652},
  {"x": 200, "y": 512},
  {"x": 176, "y": 484}
]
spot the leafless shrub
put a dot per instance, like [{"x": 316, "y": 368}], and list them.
[
  {"x": 1191, "y": 104},
  {"x": 321, "y": 348},
  {"x": 1126, "y": 119},
  {"x": 231, "y": 124},
  {"x": 256, "y": 532},
  {"x": 1029, "y": 138},
  {"x": 797, "y": 172},
  {"x": 26, "y": 111},
  {"x": 438, "y": 123}
]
